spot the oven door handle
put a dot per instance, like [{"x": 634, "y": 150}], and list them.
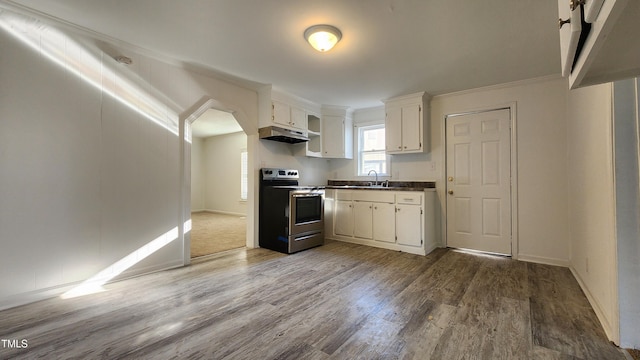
[
  {"x": 307, "y": 236},
  {"x": 307, "y": 195}
]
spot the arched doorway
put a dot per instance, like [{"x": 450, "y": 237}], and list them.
[
  {"x": 186, "y": 121},
  {"x": 219, "y": 184}
]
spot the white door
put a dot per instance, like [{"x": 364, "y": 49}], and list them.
[{"x": 479, "y": 181}]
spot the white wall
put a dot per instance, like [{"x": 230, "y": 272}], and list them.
[
  {"x": 313, "y": 171},
  {"x": 591, "y": 199},
  {"x": 90, "y": 156},
  {"x": 221, "y": 159},
  {"x": 543, "y": 232},
  {"x": 197, "y": 174}
]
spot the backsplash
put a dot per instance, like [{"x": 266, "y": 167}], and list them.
[{"x": 408, "y": 184}]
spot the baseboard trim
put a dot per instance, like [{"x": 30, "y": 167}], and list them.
[
  {"x": 543, "y": 260},
  {"x": 597, "y": 308},
  {"x": 12, "y": 301},
  {"x": 220, "y": 212}
]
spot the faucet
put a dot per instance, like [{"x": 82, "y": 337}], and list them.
[{"x": 375, "y": 172}]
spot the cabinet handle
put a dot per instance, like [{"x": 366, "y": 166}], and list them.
[
  {"x": 573, "y": 4},
  {"x": 400, "y": 147},
  {"x": 562, "y": 22}
]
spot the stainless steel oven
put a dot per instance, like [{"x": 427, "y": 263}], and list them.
[
  {"x": 306, "y": 210},
  {"x": 291, "y": 217}
]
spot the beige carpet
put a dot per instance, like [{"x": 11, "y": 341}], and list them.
[{"x": 213, "y": 233}]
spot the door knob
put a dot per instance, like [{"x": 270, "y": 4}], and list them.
[
  {"x": 450, "y": 192},
  {"x": 450, "y": 178}
]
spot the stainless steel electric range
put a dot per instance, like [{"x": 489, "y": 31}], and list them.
[{"x": 291, "y": 217}]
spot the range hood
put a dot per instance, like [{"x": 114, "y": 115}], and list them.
[{"x": 282, "y": 135}]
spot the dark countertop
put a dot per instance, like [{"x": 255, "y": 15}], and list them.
[{"x": 393, "y": 185}]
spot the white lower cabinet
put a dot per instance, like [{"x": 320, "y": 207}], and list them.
[
  {"x": 408, "y": 224},
  {"x": 343, "y": 217},
  {"x": 384, "y": 224},
  {"x": 363, "y": 219},
  {"x": 393, "y": 220}
]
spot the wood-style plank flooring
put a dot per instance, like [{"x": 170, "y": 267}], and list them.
[{"x": 338, "y": 301}]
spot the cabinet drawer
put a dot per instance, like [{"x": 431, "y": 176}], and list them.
[
  {"x": 409, "y": 198},
  {"x": 374, "y": 196},
  {"x": 343, "y": 195}
]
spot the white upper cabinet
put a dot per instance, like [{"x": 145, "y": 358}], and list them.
[
  {"x": 298, "y": 118},
  {"x": 570, "y": 24},
  {"x": 337, "y": 133},
  {"x": 280, "y": 113},
  {"x": 284, "y": 110},
  {"x": 406, "y": 124},
  {"x": 611, "y": 49},
  {"x": 288, "y": 116}
]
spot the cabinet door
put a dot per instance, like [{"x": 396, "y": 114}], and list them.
[
  {"x": 412, "y": 128},
  {"x": 569, "y": 35},
  {"x": 393, "y": 129},
  {"x": 384, "y": 222},
  {"x": 298, "y": 118},
  {"x": 281, "y": 113},
  {"x": 333, "y": 136},
  {"x": 343, "y": 218},
  {"x": 363, "y": 219},
  {"x": 409, "y": 225}
]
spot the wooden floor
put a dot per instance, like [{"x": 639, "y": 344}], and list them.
[{"x": 338, "y": 301}]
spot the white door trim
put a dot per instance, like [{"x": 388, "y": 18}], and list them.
[
  {"x": 512, "y": 107},
  {"x": 189, "y": 116}
]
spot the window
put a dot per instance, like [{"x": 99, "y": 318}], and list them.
[
  {"x": 244, "y": 175},
  {"x": 371, "y": 155}
]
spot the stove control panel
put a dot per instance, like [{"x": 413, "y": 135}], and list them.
[{"x": 275, "y": 174}]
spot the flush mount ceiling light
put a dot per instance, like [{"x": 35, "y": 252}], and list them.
[{"x": 322, "y": 37}]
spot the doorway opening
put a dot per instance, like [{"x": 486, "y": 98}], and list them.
[{"x": 219, "y": 186}]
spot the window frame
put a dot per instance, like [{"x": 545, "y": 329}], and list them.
[{"x": 361, "y": 128}]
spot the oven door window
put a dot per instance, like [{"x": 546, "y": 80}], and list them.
[{"x": 308, "y": 208}]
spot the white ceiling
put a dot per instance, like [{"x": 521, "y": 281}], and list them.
[
  {"x": 389, "y": 47},
  {"x": 213, "y": 123}
]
